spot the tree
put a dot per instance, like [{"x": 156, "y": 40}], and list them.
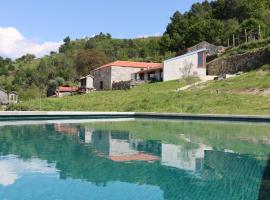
[
  {"x": 66, "y": 46},
  {"x": 67, "y": 40},
  {"x": 88, "y": 60},
  {"x": 60, "y": 81},
  {"x": 26, "y": 58},
  {"x": 201, "y": 10},
  {"x": 53, "y": 84},
  {"x": 252, "y": 26},
  {"x": 11, "y": 68},
  {"x": 176, "y": 32},
  {"x": 89, "y": 44}
]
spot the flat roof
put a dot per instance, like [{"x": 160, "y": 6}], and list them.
[{"x": 185, "y": 55}]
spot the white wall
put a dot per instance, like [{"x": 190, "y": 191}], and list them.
[
  {"x": 181, "y": 158},
  {"x": 122, "y": 73},
  {"x": 121, "y": 148},
  {"x": 3, "y": 97},
  {"x": 89, "y": 82},
  {"x": 88, "y": 135},
  {"x": 172, "y": 67}
]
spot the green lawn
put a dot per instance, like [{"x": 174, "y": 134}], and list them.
[{"x": 229, "y": 96}]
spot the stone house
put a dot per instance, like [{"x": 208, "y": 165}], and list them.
[
  {"x": 190, "y": 64},
  {"x": 3, "y": 97},
  {"x": 8, "y": 98},
  {"x": 210, "y": 48},
  {"x": 118, "y": 71},
  {"x": 87, "y": 84}
]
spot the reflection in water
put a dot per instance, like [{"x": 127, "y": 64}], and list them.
[
  {"x": 120, "y": 146},
  {"x": 132, "y": 161},
  {"x": 12, "y": 168},
  {"x": 182, "y": 158}
]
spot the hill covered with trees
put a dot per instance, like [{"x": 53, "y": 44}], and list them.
[{"x": 221, "y": 22}]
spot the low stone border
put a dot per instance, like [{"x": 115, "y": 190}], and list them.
[{"x": 29, "y": 115}]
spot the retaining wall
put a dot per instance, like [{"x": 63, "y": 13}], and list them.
[{"x": 236, "y": 63}]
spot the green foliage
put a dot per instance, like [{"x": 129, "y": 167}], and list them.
[
  {"x": 89, "y": 59},
  {"x": 26, "y": 58},
  {"x": 17, "y": 107},
  {"x": 32, "y": 92},
  {"x": 250, "y": 46},
  {"x": 53, "y": 84},
  {"x": 216, "y": 22},
  {"x": 266, "y": 67},
  {"x": 141, "y": 49}
]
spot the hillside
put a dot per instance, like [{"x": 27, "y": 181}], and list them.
[
  {"x": 245, "y": 94},
  {"x": 220, "y": 22}
]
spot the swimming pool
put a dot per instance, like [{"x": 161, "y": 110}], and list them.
[{"x": 134, "y": 159}]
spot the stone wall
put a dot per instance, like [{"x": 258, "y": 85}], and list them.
[
  {"x": 123, "y": 73},
  {"x": 122, "y": 85},
  {"x": 125, "y": 85},
  {"x": 236, "y": 63},
  {"x": 3, "y": 97},
  {"x": 102, "y": 75}
]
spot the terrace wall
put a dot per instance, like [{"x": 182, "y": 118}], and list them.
[{"x": 236, "y": 63}]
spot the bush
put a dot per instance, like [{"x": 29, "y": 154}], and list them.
[
  {"x": 17, "y": 107},
  {"x": 265, "y": 67},
  {"x": 255, "y": 44},
  {"x": 268, "y": 49}
]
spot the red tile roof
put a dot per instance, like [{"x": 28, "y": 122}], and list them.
[
  {"x": 65, "y": 128},
  {"x": 136, "y": 157},
  {"x": 131, "y": 64},
  {"x": 67, "y": 89}
]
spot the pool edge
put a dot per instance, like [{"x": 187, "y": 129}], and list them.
[{"x": 43, "y": 115}]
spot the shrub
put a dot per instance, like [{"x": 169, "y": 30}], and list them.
[
  {"x": 17, "y": 107},
  {"x": 266, "y": 67}
]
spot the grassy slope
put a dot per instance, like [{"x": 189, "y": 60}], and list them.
[{"x": 161, "y": 97}]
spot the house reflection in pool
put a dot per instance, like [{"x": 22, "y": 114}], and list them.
[
  {"x": 187, "y": 159},
  {"x": 122, "y": 147}
]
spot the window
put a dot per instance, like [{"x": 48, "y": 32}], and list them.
[{"x": 201, "y": 59}]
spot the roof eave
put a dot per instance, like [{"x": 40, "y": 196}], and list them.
[{"x": 185, "y": 55}]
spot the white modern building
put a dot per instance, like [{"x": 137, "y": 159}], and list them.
[{"x": 187, "y": 65}]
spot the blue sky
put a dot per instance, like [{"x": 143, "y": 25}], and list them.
[{"x": 51, "y": 20}]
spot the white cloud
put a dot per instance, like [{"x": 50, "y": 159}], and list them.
[
  {"x": 12, "y": 169},
  {"x": 13, "y": 44}
]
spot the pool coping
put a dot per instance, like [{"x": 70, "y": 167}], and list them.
[{"x": 51, "y": 115}]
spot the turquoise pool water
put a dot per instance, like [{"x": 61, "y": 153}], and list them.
[{"x": 134, "y": 159}]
